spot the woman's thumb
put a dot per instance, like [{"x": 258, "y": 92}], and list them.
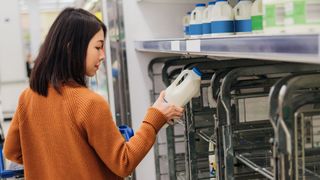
[{"x": 162, "y": 94}]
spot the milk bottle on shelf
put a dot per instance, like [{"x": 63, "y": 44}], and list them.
[
  {"x": 195, "y": 28},
  {"x": 206, "y": 20},
  {"x": 242, "y": 14},
  {"x": 257, "y": 16},
  {"x": 186, "y": 24},
  {"x": 222, "y": 22},
  {"x": 302, "y": 16},
  {"x": 273, "y": 16}
]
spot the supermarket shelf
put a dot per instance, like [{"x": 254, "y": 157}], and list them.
[{"x": 304, "y": 48}]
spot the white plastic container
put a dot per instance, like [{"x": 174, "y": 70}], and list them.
[
  {"x": 257, "y": 16},
  {"x": 206, "y": 20},
  {"x": 222, "y": 22},
  {"x": 180, "y": 94},
  {"x": 186, "y": 24},
  {"x": 273, "y": 16},
  {"x": 242, "y": 14},
  {"x": 196, "y": 21},
  {"x": 302, "y": 16}
]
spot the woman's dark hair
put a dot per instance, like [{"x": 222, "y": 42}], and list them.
[{"x": 62, "y": 56}]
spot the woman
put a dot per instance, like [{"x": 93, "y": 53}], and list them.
[{"x": 61, "y": 129}]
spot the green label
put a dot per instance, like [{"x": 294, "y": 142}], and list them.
[
  {"x": 270, "y": 15},
  {"x": 299, "y": 13},
  {"x": 257, "y": 23},
  {"x": 302, "y": 12},
  {"x": 296, "y": 12}
]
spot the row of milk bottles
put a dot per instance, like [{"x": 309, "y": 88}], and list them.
[
  {"x": 273, "y": 16},
  {"x": 219, "y": 18}
]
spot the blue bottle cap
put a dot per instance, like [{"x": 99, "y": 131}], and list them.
[
  {"x": 197, "y": 71},
  {"x": 212, "y": 3},
  {"x": 201, "y": 5},
  {"x": 221, "y": 0}
]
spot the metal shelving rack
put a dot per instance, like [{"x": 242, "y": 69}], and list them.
[
  {"x": 293, "y": 54},
  {"x": 170, "y": 148}
]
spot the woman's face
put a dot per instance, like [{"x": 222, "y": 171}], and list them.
[{"x": 95, "y": 53}]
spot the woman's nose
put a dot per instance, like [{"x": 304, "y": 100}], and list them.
[{"x": 102, "y": 54}]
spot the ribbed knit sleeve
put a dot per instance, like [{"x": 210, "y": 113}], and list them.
[
  {"x": 12, "y": 146},
  {"x": 119, "y": 156}
]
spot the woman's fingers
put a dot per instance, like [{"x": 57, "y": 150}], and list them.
[
  {"x": 170, "y": 111},
  {"x": 170, "y": 121},
  {"x": 179, "y": 109},
  {"x": 175, "y": 115}
]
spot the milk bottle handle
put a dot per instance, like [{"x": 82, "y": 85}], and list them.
[
  {"x": 205, "y": 14},
  {"x": 237, "y": 10},
  {"x": 193, "y": 16},
  {"x": 175, "y": 82}
]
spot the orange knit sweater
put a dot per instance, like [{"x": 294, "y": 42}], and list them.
[{"x": 72, "y": 136}]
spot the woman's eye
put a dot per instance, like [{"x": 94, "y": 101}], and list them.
[{"x": 98, "y": 48}]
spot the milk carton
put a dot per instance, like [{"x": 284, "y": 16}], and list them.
[
  {"x": 273, "y": 13},
  {"x": 181, "y": 91},
  {"x": 302, "y": 16},
  {"x": 257, "y": 16},
  {"x": 186, "y": 25},
  {"x": 206, "y": 20},
  {"x": 183, "y": 88},
  {"x": 196, "y": 21},
  {"x": 222, "y": 22},
  {"x": 242, "y": 14}
]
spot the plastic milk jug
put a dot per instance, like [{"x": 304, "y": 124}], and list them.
[
  {"x": 196, "y": 21},
  {"x": 180, "y": 92},
  {"x": 257, "y": 16},
  {"x": 274, "y": 16},
  {"x": 242, "y": 14},
  {"x": 186, "y": 24},
  {"x": 222, "y": 22},
  {"x": 302, "y": 16},
  {"x": 206, "y": 20}
]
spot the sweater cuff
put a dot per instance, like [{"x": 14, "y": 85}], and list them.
[{"x": 155, "y": 118}]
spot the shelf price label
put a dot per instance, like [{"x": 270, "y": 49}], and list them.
[
  {"x": 193, "y": 45},
  {"x": 175, "y": 45}
]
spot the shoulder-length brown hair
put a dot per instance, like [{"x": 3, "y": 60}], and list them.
[{"x": 62, "y": 55}]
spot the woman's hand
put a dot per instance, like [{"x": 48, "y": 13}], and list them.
[{"x": 170, "y": 111}]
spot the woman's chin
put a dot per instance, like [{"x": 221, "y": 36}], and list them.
[{"x": 91, "y": 74}]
